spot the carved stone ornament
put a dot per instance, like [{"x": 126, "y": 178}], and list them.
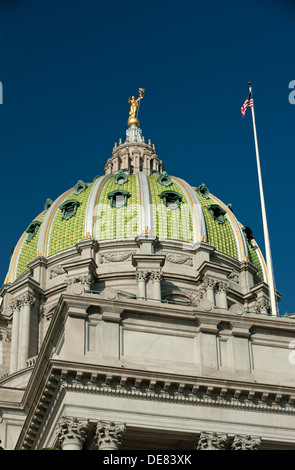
[
  {"x": 262, "y": 305},
  {"x": 141, "y": 276},
  {"x": 114, "y": 257},
  {"x": 212, "y": 441},
  {"x": 57, "y": 271},
  {"x": 71, "y": 429},
  {"x": 234, "y": 276},
  {"x": 108, "y": 435},
  {"x": 245, "y": 443},
  {"x": 176, "y": 258},
  {"x": 209, "y": 283},
  {"x": 156, "y": 276},
  {"x": 27, "y": 300},
  {"x": 222, "y": 286}
]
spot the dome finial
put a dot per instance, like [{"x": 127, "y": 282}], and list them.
[{"x": 134, "y": 108}]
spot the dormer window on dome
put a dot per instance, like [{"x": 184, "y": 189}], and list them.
[
  {"x": 80, "y": 187},
  {"x": 171, "y": 199},
  {"x": 164, "y": 179},
  {"x": 69, "y": 209},
  {"x": 203, "y": 190},
  {"x": 118, "y": 198},
  {"x": 217, "y": 213},
  {"x": 32, "y": 230},
  {"x": 121, "y": 177}
]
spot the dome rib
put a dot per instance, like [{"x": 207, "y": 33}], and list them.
[
  {"x": 199, "y": 225},
  {"x": 238, "y": 234}
]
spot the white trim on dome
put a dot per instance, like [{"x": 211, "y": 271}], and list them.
[
  {"x": 91, "y": 205},
  {"x": 146, "y": 218},
  {"x": 200, "y": 232},
  {"x": 238, "y": 234},
  {"x": 44, "y": 236}
]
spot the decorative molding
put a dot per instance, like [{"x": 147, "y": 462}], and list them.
[
  {"x": 108, "y": 435},
  {"x": 148, "y": 386},
  {"x": 221, "y": 441},
  {"x": 234, "y": 276},
  {"x": 175, "y": 258},
  {"x": 156, "y": 276},
  {"x": 57, "y": 271},
  {"x": 242, "y": 442},
  {"x": 115, "y": 256},
  {"x": 71, "y": 430},
  {"x": 212, "y": 441},
  {"x": 141, "y": 275}
]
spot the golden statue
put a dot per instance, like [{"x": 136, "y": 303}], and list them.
[{"x": 134, "y": 107}]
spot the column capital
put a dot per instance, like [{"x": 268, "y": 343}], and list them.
[
  {"x": 156, "y": 276},
  {"x": 71, "y": 432},
  {"x": 243, "y": 442},
  {"x": 108, "y": 435},
  {"x": 212, "y": 441},
  {"x": 27, "y": 300},
  {"x": 141, "y": 275}
]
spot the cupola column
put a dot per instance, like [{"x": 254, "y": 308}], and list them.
[
  {"x": 108, "y": 435},
  {"x": 71, "y": 433},
  {"x": 27, "y": 302},
  {"x": 141, "y": 277},
  {"x": 209, "y": 285},
  {"x": 15, "y": 306},
  {"x": 222, "y": 294},
  {"x": 156, "y": 277}
]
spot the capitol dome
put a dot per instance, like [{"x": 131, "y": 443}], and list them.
[{"x": 135, "y": 196}]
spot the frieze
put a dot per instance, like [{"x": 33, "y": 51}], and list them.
[
  {"x": 57, "y": 271},
  {"x": 184, "y": 392},
  {"x": 115, "y": 257},
  {"x": 175, "y": 258}
]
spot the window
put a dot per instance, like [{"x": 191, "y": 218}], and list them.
[
  {"x": 32, "y": 230},
  {"x": 217, "y": 213},
  {"x": 118, "y": 198},
  {"x": 69, "y": 208},
  {"x": 171, "y": 199}
]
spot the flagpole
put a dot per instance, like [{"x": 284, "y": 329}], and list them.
[{"x": 264, "y": 220}]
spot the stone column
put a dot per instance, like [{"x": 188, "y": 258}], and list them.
[
  {"x": 222, "y": 295},
  {"x": 27, "y": 302},
  {"x": 15, "y": 306},
  {"x": 156, "y": 277},
  {"x": 242, "y": 442},
  {"x": 71, "y": 433},
  {"x": 141, "y": 277},
  {"x": 212, "y": 441},
  {"x": 209, "y": 285},
  {"x": 108, "y": 435}
]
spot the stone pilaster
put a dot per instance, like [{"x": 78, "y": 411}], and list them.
[
  {"x": 71, "y": 433},
  {"x": 108, "y": 435}
]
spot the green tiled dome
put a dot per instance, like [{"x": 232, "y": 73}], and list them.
[{"x": 125, "y": 205}]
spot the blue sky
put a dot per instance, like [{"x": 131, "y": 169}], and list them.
[{"x": 68, "y": 68}]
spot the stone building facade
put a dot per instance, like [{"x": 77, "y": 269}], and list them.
[{"x": 135, "y": 315}]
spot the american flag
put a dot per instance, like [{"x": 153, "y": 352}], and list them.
[{"x": 248, "y": 104}]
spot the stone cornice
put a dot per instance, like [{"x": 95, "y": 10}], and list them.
[{"x": 63, "y": 376}]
